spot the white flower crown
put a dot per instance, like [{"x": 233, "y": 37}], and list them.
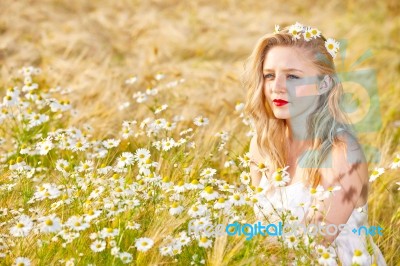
[{"x": 309, "y": 33}]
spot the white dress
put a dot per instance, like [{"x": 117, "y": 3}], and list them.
[{"x": 297, "y": 198}]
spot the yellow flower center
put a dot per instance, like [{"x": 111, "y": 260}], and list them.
[
  {"x": 326, "y": 255},
  {"x": 330, "y": 46},
  {"x": 203, "y": 239},
  {"x": 357, "y": 252},
  {"x": 278, "y": 177},
  {"x": 209, "y": 190},
  {"x": 20, "y": 225},
  {"x": 375, "y": 172},
  {"x": 49, "y": 222}
]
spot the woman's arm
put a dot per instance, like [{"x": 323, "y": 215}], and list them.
[{"x": 348, "y": 169}]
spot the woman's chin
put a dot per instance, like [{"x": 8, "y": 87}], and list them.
[{"x": 279, "y": 115}]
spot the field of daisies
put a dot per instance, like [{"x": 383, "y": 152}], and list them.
[{"x": 121, "y": 124}]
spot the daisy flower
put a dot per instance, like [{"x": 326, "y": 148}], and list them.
[
  {"x": 44, "y": 147},
  {"x": 159, "y": 76},
  {"x": 166, "y": 250},
  {"x": 245, "y": 160},
  {"x": 197, "y": 210},
  {"x": 125, "y": 257},
  {"x": 396, "y": 162},
  {"x": 359, "y": 258},
  {"x": 239, "y": 106},
  {"x": 110, "y": 143},
  {"x": 291, "y": 241},
  {"x": 307, "y": 35},
  {"x": 332, "y": 46},
  {"x": 125, "y": 159},
  {"x": 208, "y": 172},
  {"x": 144, "y": 244},
  {"x": 22, "y": 261},
  {"x": 320, "y": 249},
  {"x": 318, "y": 192},
  {"x": 221, "y": 203},
  {"x": 209, "y": 194},
  {"x": 280, "y": 177},
  {"x": 376, "y": 173},
  {"x": 205, "y": 242},
  {"x": 80, "y": 145},
  {"x": 141, "y": 155},
  {"x": 109, "y": 232},
  {"x": 295, "y": 30},
  {"x": 277, "y": 29},
  {"x": 49, "y": 224},
  {"x": 151, "y": 91},
  {"x": 85, "y": 166},
  {"x": 175, "y": 209},
  {"x": 62, "y": 165},
  {"x": 77, "y": 223},
  {"x": 398, "y": 183},
  {"x": 333, "y": 189},
  {"x": 237, "y": 199},
  {"x": 315, "y": 32},
  {"x": 140, "y": 97},
  {"x": 98, "y": 245},
  {"x": 262, "y": 167},
  {"x": 23, "y": 226},
  {"x": 327, "y": 259},
  {"x": 200, "y": 121},
  {"x": 245, "y": 177},
  {"x": 167, "y": 144},
  {"x": 161, "y": 108},
  {"x": 131, "y": 80}
]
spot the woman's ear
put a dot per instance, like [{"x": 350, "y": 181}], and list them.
[{"x": 325, "y": 85}]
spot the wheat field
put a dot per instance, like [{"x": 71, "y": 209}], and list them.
[{"x": 122, "y": 120}]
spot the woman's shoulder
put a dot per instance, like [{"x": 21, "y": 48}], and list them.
[
  {"x": 347, "y": 146},
  {"x": 346, "y": 158}
]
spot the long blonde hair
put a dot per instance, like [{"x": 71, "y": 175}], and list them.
[{"x": 322, "y": 125}]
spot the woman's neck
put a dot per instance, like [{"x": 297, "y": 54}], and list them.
[{"x": 297, "y": 134}]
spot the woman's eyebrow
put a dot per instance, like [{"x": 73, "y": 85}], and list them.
[{"x": 285, "y": 70}]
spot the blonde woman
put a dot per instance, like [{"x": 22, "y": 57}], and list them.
[{"x": 304, "y": 155}]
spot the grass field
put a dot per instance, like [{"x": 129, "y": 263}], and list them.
[{"x": 136, "y": 122}]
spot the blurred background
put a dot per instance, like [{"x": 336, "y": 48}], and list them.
[{"x": 94, "y": 46}]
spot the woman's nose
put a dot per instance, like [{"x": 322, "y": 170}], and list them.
[{"x": 279, "y": 85}]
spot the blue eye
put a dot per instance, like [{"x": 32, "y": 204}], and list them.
[
  {"x": 293, "y": 76},
  {"x": 267, "y": 76}
]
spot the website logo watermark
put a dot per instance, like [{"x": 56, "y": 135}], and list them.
[{"x": 280, "y": 229}]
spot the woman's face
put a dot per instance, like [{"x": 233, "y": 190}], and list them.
[{"x": 290, "y": 82}]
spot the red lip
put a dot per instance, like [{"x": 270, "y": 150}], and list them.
[{"x": 280, "y": 102}]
